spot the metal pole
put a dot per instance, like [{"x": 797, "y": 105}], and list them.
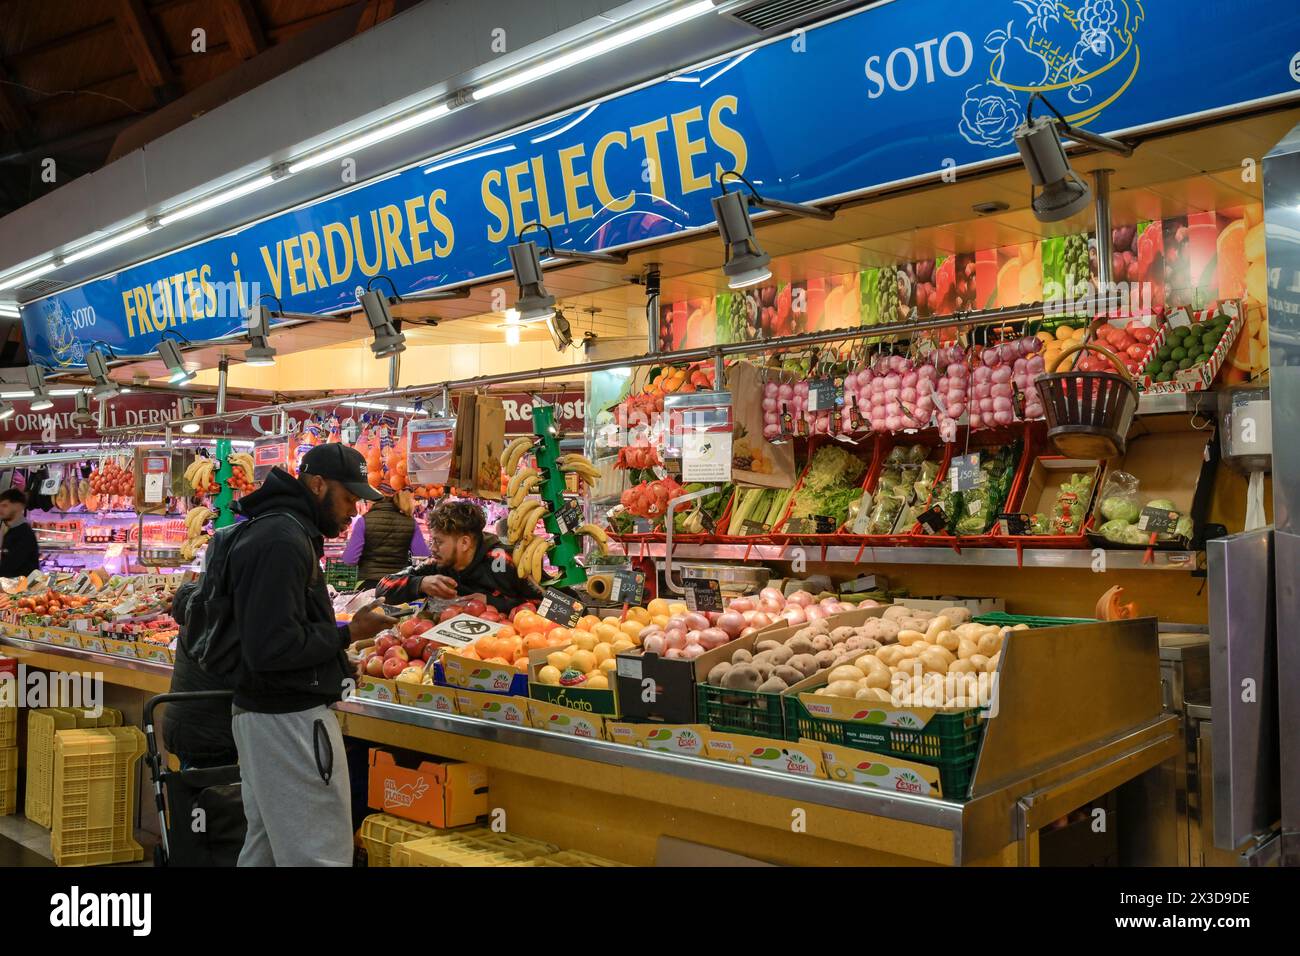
[
  {"x": 394, "y": 370},
  {"x": 652, "y": 307},
  {"x": 1101, "y": 212},
  {"x": 986, "y": 317},
  {"x": 223, "y": 373}
]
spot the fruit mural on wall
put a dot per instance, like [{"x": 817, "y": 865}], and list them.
[{"x": 1196, "y": 260}]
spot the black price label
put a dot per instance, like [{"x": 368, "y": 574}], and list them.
[
  {"x": 559, "y": 607},
  {"x": 568, "y": 519},
  {"x": 932, "y": 520},
  {"x": 824, "y": 524},
  {"x": 1014, "y": 523},
  {"x": 702, "y": 595},
  {"x": 753, "y": 527},
  {"x": 966, "y": 472},
  {"x": 672, "y": 466},
  {"x": 798, "y": 526},
  {"x": 1157, "y": 520},
  {"x": 642, "y": 525},
  {"x": 824, "y": 395},
  {"x": 707, "y": 520},
  {"x": 628, "y": 586}
]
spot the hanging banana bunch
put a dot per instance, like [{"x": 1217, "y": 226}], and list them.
[
  {"x": 575, "y": 463},
  {"x": 529, "y": 557},
  {"x": 513, "y": 452},
  {"x": 199, "y": 475}
]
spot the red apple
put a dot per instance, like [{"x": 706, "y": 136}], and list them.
[
  {"x": 393, "y": 666},
  {"x": 448, "y": 614},
  {"x": 405, "y": 628},
  {"x": 396, "y": 653},
  {"x": 384, "y": 643},
  {"x": 422, "y": 625},
  {"x": 375, "y": 665},
  {"x": 412, "y": 647}
]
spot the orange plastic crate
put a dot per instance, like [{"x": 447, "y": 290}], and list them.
[{"x": 93, "y": 821}]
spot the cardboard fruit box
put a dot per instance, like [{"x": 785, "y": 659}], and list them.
[
  {"x": 802, "y": 759},
  {"x": 427, "y": 697},
  {"x": 684, "y": 740},
  {"x": 878, "y": 771},
  {"x": 439, "y": 793},
  {"x": 376, "y": 688},
  {"x": 658, "y": 688},
  {"x": 1047, "y": 475},
  {"x": 565, "y": 720},
  {"x": 472, "y": 674},
  {"x": 499, "y": 708},
  {"x": 602, "y": 702},
  {"x": 1199, "y": 377}
]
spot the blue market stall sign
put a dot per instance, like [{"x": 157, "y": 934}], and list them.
[{"x": 898, "y": 91}]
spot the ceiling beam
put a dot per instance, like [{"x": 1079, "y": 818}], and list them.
[
  {"x": 243, "y": 29},
  {"x": 145, "y": 48},
  {"x": 375, "y": 13},
  {"x": 13, "y": 113}
]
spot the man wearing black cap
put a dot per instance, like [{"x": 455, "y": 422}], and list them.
[{"x": 293, "y": 665}]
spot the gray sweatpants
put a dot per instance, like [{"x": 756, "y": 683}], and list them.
[{"x": 295, "y": 817}]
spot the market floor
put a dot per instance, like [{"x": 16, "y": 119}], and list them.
[{"x": 23, "y": 843}]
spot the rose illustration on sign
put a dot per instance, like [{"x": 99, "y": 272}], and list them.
[{"x": 990, "y": 115}]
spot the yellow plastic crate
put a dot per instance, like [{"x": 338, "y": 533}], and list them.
[
  {"x": 399, "y": 857},
  {"x": 8, "y": 780},
  {"x": 42, "y": 725},
  {"x": 94, "y": 796},
  {"x": 8, "y": 725},
  {"x": 482, "y": 848},
  {"x": 381, "y": 832},
  {"x": 577, "y": 858}
]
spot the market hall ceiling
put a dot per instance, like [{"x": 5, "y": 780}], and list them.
[{"x": 83, "y": 82}]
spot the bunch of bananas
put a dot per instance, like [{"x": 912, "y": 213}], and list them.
[
  {"x": 521, "y": 485},
  {"x": 199, "y": 475},
  {"x": 195, "y": 537},
  {"x": 522, "y": 520},
  {"x": 241, "y": 477},
  {"x": 579, "y": 465},
  {"x": 597, "y": 534},
  {"x": 529, "y": 556},
  {"x": 514, "y": 451}
]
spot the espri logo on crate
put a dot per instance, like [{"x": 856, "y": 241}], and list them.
[
  {"x": 34, "y": 689},
  {"x": 908, "y": 782},
  {"x": 405, "y": 795},
  {"x": 77, "y": 910}
]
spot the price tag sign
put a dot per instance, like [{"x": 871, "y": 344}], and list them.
[
  {"x": 1013, "y": 523},
  {"x": 824, "y": 524},
  {"x": 932, "y": 520},
  {"x": 628, "y": 586},
  {"x": 863, "y": 520},
  {"x": 461, "y": 630},
  {"x": 753, "y": 527},
  {"x": 1178, "y": 318},
  {"x": 1157, "y": 520},
  {"x": 798, "y": 526},
  {"x": 966, "y": 473},
  {"x": 50, "y": 486},
  {"x": 706, "y": 456},
  {"x": 823, "y": 395},
  {"x": 702, "y": 595},
  {"x": 568, "y": 519},
  {"x": 559, "y": 607}
]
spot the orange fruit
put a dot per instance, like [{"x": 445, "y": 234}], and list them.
[
  {"x": 1232, "y": 260},
  {"x": 486, "y": 646},
  {"x": 521, "y": 664},
  {"x": 497, "y": 660},
  {"x": 533, "y": 641},
  {"x": 506, "y": 631},
  {"x": 469, "y": 652},
  {"x": 588, "y": 621},
  {"x": 526, "y": 622}
]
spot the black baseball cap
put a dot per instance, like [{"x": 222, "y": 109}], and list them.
[{"x": 343, "y": 464}]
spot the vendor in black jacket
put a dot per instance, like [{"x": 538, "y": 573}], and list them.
[
  {"x": 465, "y": 561},
  {"x": 19, "y": 553}
]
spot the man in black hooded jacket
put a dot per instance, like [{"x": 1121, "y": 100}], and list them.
[
  {"x": 465, "y": 561},
  {"x": 293, "y": 665}
]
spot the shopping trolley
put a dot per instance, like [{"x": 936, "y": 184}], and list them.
[{"x": 200, "y": 811}]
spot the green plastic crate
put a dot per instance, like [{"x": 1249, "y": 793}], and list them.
[
  {"x": 950, "y": 742},
  {"x": 999, "y": 619},
  {"x": 342, "y": 577},
  {"x": 740, "y": 711}
]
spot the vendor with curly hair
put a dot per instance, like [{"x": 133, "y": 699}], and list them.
[{"x": 465, "y": 561}]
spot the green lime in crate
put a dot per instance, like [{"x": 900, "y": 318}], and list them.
[
  {"x": 949, "y": 741},
  {"x": 740, "y": 711}
]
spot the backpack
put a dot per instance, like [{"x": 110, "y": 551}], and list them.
[{"x": 209, "y": 636}]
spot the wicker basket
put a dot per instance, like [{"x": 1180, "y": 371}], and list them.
[{"x": 1088, "y": 413}]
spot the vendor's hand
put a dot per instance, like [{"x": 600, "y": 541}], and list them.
[
  {"x": 438, "y": 586},
  {"x": 368, "y": 622}
]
